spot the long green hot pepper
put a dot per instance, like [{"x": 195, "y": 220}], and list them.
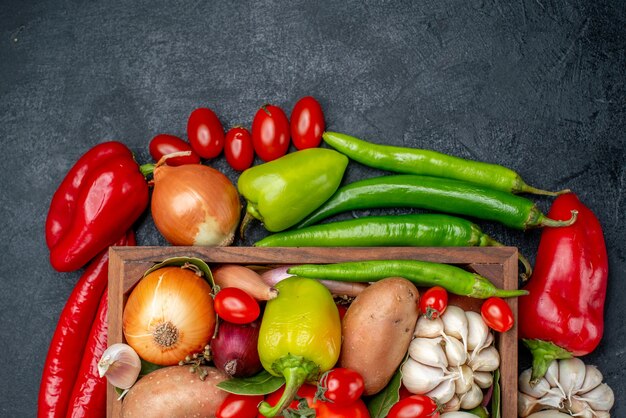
[
  {"x": 422, "y": 273},
  {"x": 415, "y": 230},
  {"x": 431, "y": 163},
  {"x": 443, "y": 195}
]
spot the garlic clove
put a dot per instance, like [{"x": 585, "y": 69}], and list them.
[
  {"x": 120, "y": 364},
  {"x": 454, "y": 404},
  {"x": 428, "y": 328},
  {"x": 527, "y": 404},
  {"x": 578, "y": 408},
  {"x": 571, "y": 375},
  {"x": 555, "y": 398},
  {"x": 549, "y": 414},
  {"x": 487, "y": 360},
  {"x": 455, "y": 352},
  {"x": 477, "y": 331},
  {"x": 537, "y": 390},
  {"x": 419, "y": 378},
  {"x": 464, "y": 381},
  {"x": 552, "y": 374},
  {"x": 428, "y": 351},
  {"x": 593, "y": 377},
  {"x": 455, "y": 323},
  {"x": 472, "y": 398},
  {"x": 444, "y": 392},
  {"x": 601, "y": 398},
  {"x": 484, "y": 380}
]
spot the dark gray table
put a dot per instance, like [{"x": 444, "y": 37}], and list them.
[{"x": 536, "y": 85}]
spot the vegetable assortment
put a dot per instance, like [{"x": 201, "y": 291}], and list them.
[{"x": 350, "y": 339}]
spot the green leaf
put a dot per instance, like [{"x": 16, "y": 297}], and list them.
[
  {"x": 480, "y": 411},
  {"x": 259, "y": 384},
  {"x": 380, "y": 404},
  {"x": 495, "y": 397},
  {"x": 147, "y": 367},
  {"x": 182, "y": 261}
]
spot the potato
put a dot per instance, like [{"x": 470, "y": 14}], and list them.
[
  {"x": 377, "y": 330},
  {"x": 175, "y": 392}
]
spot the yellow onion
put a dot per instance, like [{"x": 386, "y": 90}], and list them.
[
  {"x": 194, "y": 205},
  {"x": 169, "y": 315}
]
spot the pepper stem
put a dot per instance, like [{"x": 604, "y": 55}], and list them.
[
  {"x": 247, "y": 218},
  {"x": 484, "y": 289},
  {"x": 545, "y": 221},
  {"x": 544, "y": 352},
  {"x": 147, "y": 169},
  {"x": 296, "y": 370},
  {"x": 525, "y": 188}
]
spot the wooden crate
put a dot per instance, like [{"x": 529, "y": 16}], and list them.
[{"x": 499, "y": 264}]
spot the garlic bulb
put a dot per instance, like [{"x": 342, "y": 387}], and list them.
[
  {"x": 569, "y": 387},
  {"x": 451, "y": 359},
  {"x": 121, "y": 365}
]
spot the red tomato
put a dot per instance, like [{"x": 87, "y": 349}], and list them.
[
  {"x": 239, "y": 406},
  {"x": 341, "y": 386},
  {"x": 205, "y": 133},
  {"x": 270, "y": 133},
  {"x": 322, "y": 409},
  {"x": 238, "y": 148},
  {"x": 237, "y": 306},
  {"x": 415, "y": 406},
  {"x": 434, "y": 302},
  {"x": 497, "y": 314},
  {"x": 164, "y": 144},
  {"x": 307, "y": 123}
]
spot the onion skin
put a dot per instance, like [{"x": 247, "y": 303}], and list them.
[
  {"x": 231, "y": 275},
  {"x": 169, "y": 315},
  {"x": 235, "y": 349},
  {"x": 273, "y": 276},
  {"x": 194, "y": 205}
]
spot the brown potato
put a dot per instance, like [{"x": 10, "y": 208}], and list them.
[
  {"x": 175, "y": 392},
  {"x": 377, "y": 330}
]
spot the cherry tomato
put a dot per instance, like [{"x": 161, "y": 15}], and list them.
[
  {"x": 341, "y": 386},
  {"x": 415, "y": 406},
  {"x": 307, "y": 123},
  {"x": 238, "y": 148},
  {"x": 164, "y": 144},
  {"x": 239, "y": 406},
  {"x": 434, "y": 302},
  {"x": 270, "y": 133},
  {"x": 237, "y": 306},
  {"x": 205, "y": 133},
  {"x": 497, "y": 314},
  {"x": 322, "y": 409}
]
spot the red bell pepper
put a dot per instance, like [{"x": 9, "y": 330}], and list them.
[
  {"x": 100, "y": 198},
  {"x": 88, "y": 398},
  {"x": 70, "y": 337},
  {"x": 563, "y": 314}
]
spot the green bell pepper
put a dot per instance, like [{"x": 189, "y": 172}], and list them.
[
  {"x": 300, "y": 336},
  {"x": 282, "y": 192}
]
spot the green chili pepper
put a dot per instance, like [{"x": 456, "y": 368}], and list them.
[
  {"x": 416, "y": 230},
  {"x": 431, "y": 163},
  {"x": 422, "y": 273},
  {"x": 282, "y": 192},
  {"x": 300, "y": 336},
  {"x": 437, "y": 194}
]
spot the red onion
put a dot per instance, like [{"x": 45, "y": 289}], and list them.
[
  {"x": 235, "y": 348},
  {"x": 271, "y": 277}
]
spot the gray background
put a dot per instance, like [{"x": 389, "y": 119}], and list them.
[{"x": 536, "y": 85}]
